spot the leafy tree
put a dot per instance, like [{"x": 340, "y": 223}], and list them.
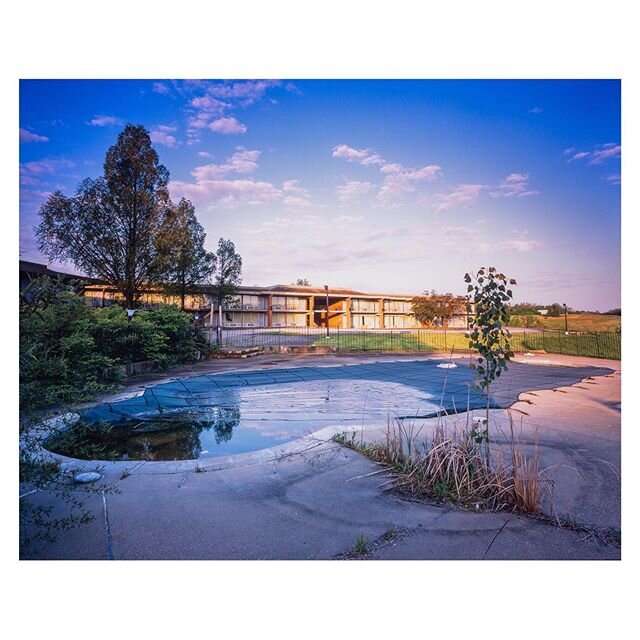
[
  {"x": 228, "y": 271},
  {"x": 434, "y": 306},
  {"x": 523, "y": 309},
  {"x": 555, "y": 310},
  {"x": 110, "y": 227},
  {"x": 301, "y": 282},
  {"x": 488, "y": 295},
  {"x": 186, "y": 261},
  {"x": 614, "y": 312}
]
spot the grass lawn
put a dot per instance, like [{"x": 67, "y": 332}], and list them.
[
  {"x": 584, "y": 322},
  {"x": 602, "y": 346},
  {"x": 395, "y": 341}
]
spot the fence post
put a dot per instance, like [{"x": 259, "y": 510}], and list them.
[{"x": 598, "y": 344}]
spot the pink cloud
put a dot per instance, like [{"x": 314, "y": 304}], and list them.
[
  {"x": 608, "y": 151},
  {"x": 601, "y": 154},
  {"x": 463, "y": 195},
  {"x": 227, "y": 126},
  {"x": 29, "y": 136},
  {"x": 579, "y": 156},
  {"x": 399, "y": 180},
  {"x": 515, "y": 184},
  {"x": 362, "y": 156},
  {"x": 352, "y": 189}
]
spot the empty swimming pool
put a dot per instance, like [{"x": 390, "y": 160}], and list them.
[{"x": 226, "y": 414}]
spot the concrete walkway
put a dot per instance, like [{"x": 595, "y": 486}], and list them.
[{"x": 314, "y": 500}]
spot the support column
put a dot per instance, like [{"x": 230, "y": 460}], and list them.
[
  {"x": 269, "y": 310},
  {"x": 311, "y": 315},
  {"x": 381, "y": 312},
  {"x": 348, "y": 308}
]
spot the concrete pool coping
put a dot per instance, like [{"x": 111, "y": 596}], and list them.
[
  {"x": 315, "y": 503},
  {"x": 298, "y": 445}
]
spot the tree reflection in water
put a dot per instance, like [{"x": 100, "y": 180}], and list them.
[{"x": 168, "y": 436}]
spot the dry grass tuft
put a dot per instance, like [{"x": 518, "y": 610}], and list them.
[{"x": 452, "y": 466}]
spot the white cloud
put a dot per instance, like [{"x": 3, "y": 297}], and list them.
[
  {"x": 398, "y": 179},
  {"x": 162, "y": 134},
  {"x": 462, "y": 195},
  {"x": 242, "y": 161},
  {"x": 536, "y": 110},
  {"x": 104, "y": 121},
  {"x": 521, "y": 243},
  {"x": 347, "y": 219},
  {"x": 614, "y": 179},
  {"x": 204, "y": 154},
  {"x": 291, "y": 186},
  {"x": 515, "y": 184},
  {"x": 213, "y": 185},
  {"x": 352, "y": 189},
  {"x": 227, "y": 193},
  {"x": 160, "y": 87},
  {"x": 33, "y": 172},
  {"x": 29, "y": 136},
  {"x": 228, "y": 125},
  {"x": 362, "y": 156},
  {"x": 296, "y": 201},
  {"x": 209, "y": 105}
]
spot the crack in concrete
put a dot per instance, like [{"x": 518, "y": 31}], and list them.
[
  {"x": 107, "y": 528},
  {"x": 495, "y": 537}
]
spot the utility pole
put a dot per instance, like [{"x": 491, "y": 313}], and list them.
[
  {"x": 326, "y": 291},
  {"x": 566, "y": 324}
]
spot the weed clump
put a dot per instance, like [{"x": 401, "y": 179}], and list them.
[{"x": 452, "y": 466}]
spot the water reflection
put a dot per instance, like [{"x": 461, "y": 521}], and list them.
[
  {"x": 194, "y": 418},
  {"x": 171, "y": 436}
]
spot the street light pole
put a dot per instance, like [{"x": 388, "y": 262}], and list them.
[
  {"x": 326, "y": 290},
  {"x": 566, "y": 324}
]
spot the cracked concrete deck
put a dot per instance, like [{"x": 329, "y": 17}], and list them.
[{"x": 312, "y": 505}]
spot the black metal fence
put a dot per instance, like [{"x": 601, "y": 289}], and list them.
[
  {"x": 597, "y": 345},
  {"x": 135, "y": 343}
]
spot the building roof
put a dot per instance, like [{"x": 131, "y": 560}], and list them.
[{"x": 37, "y": 269}]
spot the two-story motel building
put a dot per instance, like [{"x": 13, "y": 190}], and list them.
[{"x": 293, "y": 306}]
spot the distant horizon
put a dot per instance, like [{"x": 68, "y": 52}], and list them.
[{"x": 388, "y": 185}]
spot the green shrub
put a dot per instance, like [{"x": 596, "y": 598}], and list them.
[{"x": 66, "y": 346}]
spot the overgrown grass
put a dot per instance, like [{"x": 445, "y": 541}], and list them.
[
  {"x": 396, "y": 341},
  {"x": 596, "y": 345},
  {"x": 451, "y": 466},
  {"x": 584, "y": 322}
]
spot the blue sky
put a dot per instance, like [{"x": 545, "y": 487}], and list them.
[{"x": 389, "y": 186}]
